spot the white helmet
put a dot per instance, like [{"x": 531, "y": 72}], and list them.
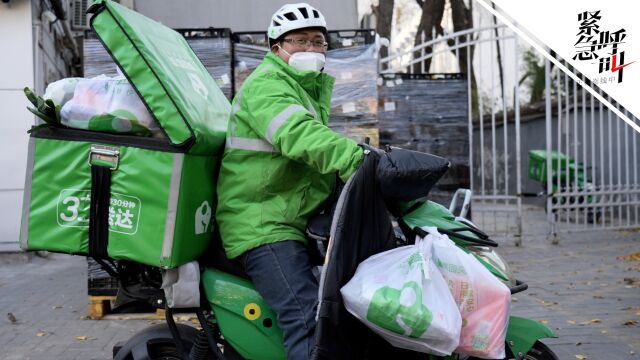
[{"x": 293, "y": 17}]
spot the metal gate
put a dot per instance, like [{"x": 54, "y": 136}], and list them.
[
  {"x": 493, "y": 118},
  {"x": 593, "y": 181}
]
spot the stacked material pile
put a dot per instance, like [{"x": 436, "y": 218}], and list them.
[
  {"x": 212, "y": 46},
  {"x": 249, "y": 50},
  {"x": 352, "y": 60},
  {"x": 428, "y": 113},
  {"x": 214, "y": 49}
]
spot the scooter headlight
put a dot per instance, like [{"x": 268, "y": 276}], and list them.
[{"x": 491, "y": 257}]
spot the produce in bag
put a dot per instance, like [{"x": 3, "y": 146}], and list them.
[
  {"x": 483, "y": 300},
  {"x": 111, "y": 105},
  {"x": 401, "y": 295},
  {"x": 45, "y": 110}
]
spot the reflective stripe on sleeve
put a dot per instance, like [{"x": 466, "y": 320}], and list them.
[
  {"x": 249, "y": 144},
  {"x": 311, "y": 109},
  {"x": 279, "y": 119}
]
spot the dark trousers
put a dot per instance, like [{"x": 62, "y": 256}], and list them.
[{"x": 281, "y": 272}]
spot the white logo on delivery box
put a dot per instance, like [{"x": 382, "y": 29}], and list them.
[
  {"x": 73, "y": 210},
  {"x": 203, "y": 217}
]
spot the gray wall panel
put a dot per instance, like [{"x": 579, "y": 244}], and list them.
[{"x": 240, "y": 15}]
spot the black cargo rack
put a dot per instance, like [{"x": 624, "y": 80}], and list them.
[
  {"x": 428, "y": 76},
  {"x": 258, "y": 38},
  {"x": 340, "y": 39},
  {"x": 205, "y": 33}
]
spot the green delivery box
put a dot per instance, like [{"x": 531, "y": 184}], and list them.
[{"x": 149, "y": 200}]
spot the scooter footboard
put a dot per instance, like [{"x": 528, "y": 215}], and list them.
[{"x": 522, "y": 333}]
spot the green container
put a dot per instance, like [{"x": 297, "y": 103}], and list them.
[
  {"x": 538, "y": 163},
  {"x": 160, "y": 198},
  {"x": 563, "y": 168}
]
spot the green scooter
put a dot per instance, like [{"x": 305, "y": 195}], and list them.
[{"x": 236, "y": 323}]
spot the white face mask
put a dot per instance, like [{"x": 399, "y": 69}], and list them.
[{"x": 305, "y": 60}]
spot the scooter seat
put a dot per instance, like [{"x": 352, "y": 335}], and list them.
[
  {"x": 215, "y": 257},
  {"x": 319, "y": 226}
]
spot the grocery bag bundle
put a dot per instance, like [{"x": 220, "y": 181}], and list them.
[
  {"x": 102, "y": 104},
  {"x": 401, "y": 295},
  {"x": 431, "y": 297},
  {"x": 124, "y": 168}
]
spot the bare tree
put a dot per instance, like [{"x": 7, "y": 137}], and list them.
[
  {"x": 497, "y": 36},
  {"x": 462, "y": 17},
  {"x": 430, "y": 23},
  {"x": 384, "y": 17},
  {"x": 462, "y": 20},
  {"x": 430, "y": 20}
]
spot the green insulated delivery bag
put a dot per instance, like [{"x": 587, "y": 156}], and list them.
[{"x": 149, "y": 200}]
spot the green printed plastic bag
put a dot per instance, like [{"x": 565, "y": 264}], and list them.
[
  {"x": 388, "y": 311},
  {"x": 401, "y": 295}
]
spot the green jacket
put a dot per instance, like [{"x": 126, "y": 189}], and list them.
[{"x": 280, "y": 157}]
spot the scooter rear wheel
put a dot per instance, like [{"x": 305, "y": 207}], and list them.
[
  {"x": 165, "y": 352},
  {"x": 156, "y": 343}
]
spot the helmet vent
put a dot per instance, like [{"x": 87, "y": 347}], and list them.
[{"x": 294, "y": 17}]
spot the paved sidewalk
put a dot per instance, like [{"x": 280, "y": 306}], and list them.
[
  {"x": 577, "y": 287},
  {"x": 582, "y": 291},
  {"x": 48, "y": 298}
]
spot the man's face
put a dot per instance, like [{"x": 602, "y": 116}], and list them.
[{"x": 299, "y": 41}]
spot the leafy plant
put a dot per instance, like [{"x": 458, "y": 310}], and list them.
[
  {"x": 46, "y": 110},
  {"x": 534, "y": 75}
]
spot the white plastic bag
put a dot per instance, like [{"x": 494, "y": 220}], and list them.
[
  {"x": 182, "y": 286},
  {"x": 61, "y": 91},
  {"x": 483, "y": 300},
  {"x": 108, "y": 105},
  {"x": 401, "y": 295}
]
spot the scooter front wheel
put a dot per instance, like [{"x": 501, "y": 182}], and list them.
[{"x": 540, "y": 351}]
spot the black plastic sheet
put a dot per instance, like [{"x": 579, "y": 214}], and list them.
[{"x": 428, "y": 113}]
